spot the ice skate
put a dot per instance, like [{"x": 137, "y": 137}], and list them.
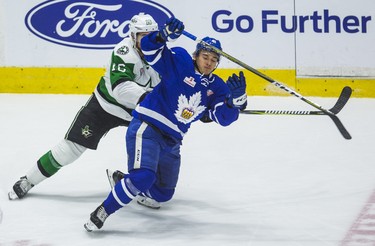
[
  {"x": 20, "y": 188},
  {"x": 147, "y": 202},
  {"x": 97, "y": 219},
  {"x": 114, "y": 177}
]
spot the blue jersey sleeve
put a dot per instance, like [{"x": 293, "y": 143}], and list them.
[
  {"x": 169, "y": 63},
  {"x": 153, "y": 51}
]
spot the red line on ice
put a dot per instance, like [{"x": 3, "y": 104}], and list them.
[{"x": 362, "y": 230}]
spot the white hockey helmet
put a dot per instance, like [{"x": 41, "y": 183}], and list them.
[{"x": 142, "y": 23}]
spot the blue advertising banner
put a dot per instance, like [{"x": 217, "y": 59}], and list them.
[{"x": 89, "y": 24}]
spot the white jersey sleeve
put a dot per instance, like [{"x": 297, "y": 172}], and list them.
[{"x": 128, "y": 93}]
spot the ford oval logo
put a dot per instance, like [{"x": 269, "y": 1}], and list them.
[{"x": 99, "y": 24}]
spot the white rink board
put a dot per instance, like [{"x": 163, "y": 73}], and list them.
[{"x": 345, "y": 52}]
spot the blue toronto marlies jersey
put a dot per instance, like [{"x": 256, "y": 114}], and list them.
[{"x": 183, "y": 95}]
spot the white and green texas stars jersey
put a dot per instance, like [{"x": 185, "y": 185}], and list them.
[{"x": 126, "y": 79}]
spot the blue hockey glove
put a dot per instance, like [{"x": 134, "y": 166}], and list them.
[
  {"x": 237, "y": 86},
  {"x": 172, "y": 29}
]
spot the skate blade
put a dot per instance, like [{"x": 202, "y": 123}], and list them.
[
  {"x": 110, "y": 178},
  {"x": 12, "y": 195},
  {"x": 144, "y": 202},
  {"x": 89, "y": 226}
]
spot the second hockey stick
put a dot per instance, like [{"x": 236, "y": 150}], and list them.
[
  {"x": 342, "y": 100},
  {"x": 324, "y": 111}
]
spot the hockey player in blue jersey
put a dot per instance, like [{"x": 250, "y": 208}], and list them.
[{"x": 187, "y": 92}]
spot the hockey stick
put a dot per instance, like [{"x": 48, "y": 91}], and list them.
[
  {"x": 342, "y": 100},
  {"x": 332, "y": 115},
  {"x": 281, "y": 112}
]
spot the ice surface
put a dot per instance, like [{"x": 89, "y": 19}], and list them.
[{"x": 263, "y": 181}]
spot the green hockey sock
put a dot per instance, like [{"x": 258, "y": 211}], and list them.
[{"x": 47, "y": 165}]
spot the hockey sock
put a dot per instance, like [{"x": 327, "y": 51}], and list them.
[
  {"x": 47, "y": 164},
  {"x": 137, "y": 181},
  {"x": 61, "y": 155},
  {"x": 34, "y": 175},
  {"x": 123, "y": 193}
]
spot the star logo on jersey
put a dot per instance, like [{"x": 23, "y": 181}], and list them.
[
  {"x": 123, "y": 50},
  {"x": 189, "y": 109},
  {"x": 86, "y": 132}
]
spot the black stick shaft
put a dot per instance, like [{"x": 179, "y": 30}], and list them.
[
  {"x": 253, "y": 70},
  {"x": 331, "y": 114}
]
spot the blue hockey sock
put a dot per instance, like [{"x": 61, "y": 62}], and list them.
[
  {"x": 124, "y": 191},
  {"x": 121, "y": 194},
  {"x": 111, "y": 205}
]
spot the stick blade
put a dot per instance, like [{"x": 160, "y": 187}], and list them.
[
  {"x": 343, "y": 99},
  {"x": 340, "y": 127}
]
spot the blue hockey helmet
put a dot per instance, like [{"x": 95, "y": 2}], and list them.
[{"x": 211, "y": 41}]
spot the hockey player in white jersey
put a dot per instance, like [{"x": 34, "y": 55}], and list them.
[
  {"x": 187, "y": 92},
  {"x": 127, "y": 79}
]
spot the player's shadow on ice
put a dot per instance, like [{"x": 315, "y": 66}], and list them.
[
  {"x": 74, "y": 198},
  {"x": 176, "y": 220},
  {"x": 181, "y": 219}
]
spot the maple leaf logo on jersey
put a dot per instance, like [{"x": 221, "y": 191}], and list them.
[{"x": 188, "y": 110}]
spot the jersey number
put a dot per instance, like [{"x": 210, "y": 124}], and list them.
[{"x": 119, "y": 67}]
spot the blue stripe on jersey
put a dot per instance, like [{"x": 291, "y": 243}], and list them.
[{"x": 154, "y": 53}]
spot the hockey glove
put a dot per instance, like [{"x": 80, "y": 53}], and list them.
[
  {"x": 237, "y": 86},
  {"x": 172, "y": 29}
]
